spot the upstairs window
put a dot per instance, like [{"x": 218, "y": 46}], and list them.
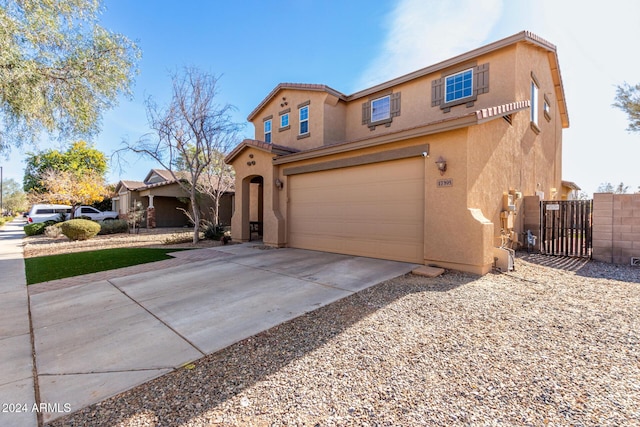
[
  {"x": 534, "y": 103},
  {"x": 304, "y": 120},
  {"x": 546, "y": 108},
  {"x": 267, "y": 131},
  {"x": 380, "y": 109},
  {"x": 284, "y": 120},
  {"x": 459, "y": 86}
]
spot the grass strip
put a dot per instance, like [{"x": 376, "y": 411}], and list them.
[{"x": 52, "y": 267}]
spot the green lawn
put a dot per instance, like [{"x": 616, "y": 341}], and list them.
[{"x": 45, "y": 268}]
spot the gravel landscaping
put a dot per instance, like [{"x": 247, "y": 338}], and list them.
[{"x": 540, "y": 345}]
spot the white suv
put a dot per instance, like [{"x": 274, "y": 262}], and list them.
[{"x": 42, "y": 213}]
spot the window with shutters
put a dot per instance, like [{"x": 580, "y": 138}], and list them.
[
  {"x": 381, "y": 110},
  {"x": 460, "y": 87}
]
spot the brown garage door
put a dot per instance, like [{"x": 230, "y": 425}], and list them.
[{"x": 374, "y": 210}]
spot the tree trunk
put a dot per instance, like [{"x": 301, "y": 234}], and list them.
[
  {"x": 195, "y": 209},
  {"x": 216, "y": 208}
]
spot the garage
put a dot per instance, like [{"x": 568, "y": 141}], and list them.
[{"x": 374, "y": 210}]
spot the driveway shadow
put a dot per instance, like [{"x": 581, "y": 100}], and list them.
[{"x": 204, "y": 386}]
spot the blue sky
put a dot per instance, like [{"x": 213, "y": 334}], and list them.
[{"x": 353, "y": 44}]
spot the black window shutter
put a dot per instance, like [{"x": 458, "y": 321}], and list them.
[
  {"x": 437, "y": 92},
  {"x": 366, "y": 113},
  {"x": 481, "y": 76},
  {"x": 395, "y": 104}
]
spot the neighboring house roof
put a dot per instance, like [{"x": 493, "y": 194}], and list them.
[
  {"x": 163, "y": 175},
  {"x": 294, "y": 86},
  {"x": 155, "y": 178},
  {"x": 571, "y": 185},
  {"x": 276, "y": 149},
  {"x": 524, "y": 36},
  {"x": 450, "y": 123},
  {"x": 130, "y": 185}
]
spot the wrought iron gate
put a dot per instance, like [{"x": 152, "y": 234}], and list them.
[{"x": 566, "y": 227}]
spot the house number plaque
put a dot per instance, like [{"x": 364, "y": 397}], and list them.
[{"x": 445, "y": 182}]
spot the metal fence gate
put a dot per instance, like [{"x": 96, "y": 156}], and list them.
[{"x": 566, "y": 227}]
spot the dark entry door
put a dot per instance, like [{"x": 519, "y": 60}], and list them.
[{"x": 566, "y": 227}]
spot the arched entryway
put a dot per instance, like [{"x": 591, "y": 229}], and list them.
[{"x": 252, "y": 207}]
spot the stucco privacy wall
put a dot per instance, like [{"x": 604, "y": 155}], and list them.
[{"x": 616, "y": 227}]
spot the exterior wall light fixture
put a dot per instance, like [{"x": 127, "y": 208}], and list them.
[
  {"x": 442, "y": 165},
  {"x": 279, "y": 184}
]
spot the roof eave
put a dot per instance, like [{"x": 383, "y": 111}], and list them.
[{"x": 294, "y": 86}]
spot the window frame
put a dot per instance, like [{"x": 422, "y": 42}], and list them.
[
  {"x": 546, "y": 108},
  {"x": 460, "y": 99},
  {"x": 535, "y": 93},
  {"x": 388, "y": 115},
  {"x": 303, "y": 121},
  {"x": 268, "y": 132},
  {"x": 282, "y": 118}
]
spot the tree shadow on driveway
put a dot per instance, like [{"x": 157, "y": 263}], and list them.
[{"x": 205, "y": 385}]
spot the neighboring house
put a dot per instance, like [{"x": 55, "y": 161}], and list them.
[
  {"x": 570, "y": 190},
  {"x": 429, "y": 168},
  {"x": 162, "y": 197}
]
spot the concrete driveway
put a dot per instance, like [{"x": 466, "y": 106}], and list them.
[{"x": 98, "y": 339}]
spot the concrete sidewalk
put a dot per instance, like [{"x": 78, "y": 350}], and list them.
[
  {"x": 17, "y": 390},
  {"x": 98, "y": 339}
]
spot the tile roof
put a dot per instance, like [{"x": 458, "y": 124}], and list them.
[{"x": 271, "y": 148}]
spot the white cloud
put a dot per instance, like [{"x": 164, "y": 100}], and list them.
[{"x": 424, "y": 32}]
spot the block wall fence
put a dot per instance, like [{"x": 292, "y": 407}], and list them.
[{"x": 616, "y": 227}]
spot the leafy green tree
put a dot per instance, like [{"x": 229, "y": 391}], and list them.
[
  {"x": 80, "y": 159},
  {"x": 59, "y": 69},
  {"x": 13, "y": 198},
  {"x": 628, "y": 100}
]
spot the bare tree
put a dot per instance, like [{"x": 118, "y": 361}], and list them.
[
  {"x": 216, "y": 179},
  {"x": 189, "y": 133}
]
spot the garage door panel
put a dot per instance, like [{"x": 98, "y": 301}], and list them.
[{"x": 374, "y": 210}]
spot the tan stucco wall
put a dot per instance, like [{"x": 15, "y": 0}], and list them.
[
  {"x": 273, "y": 220},
  {"x": 416, "y": 106},
  {"x": 319, "y": 103},
  {"x": 484, "y": 161}
]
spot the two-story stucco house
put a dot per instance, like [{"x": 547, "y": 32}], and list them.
[{"x": 429, "y": 168}]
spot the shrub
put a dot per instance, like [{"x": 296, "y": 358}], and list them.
[
  {"x": 37, "y": 228},
  {"x": 113, "y": 227},
  {"x": 80, "y": 229},
  {"x": 54, "y": 231},
  {"x": 177, "y": 238},
  {"x": 214, "y": 232}
]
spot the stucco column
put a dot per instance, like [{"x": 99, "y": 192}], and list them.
[{"x": 150, "y": 200}]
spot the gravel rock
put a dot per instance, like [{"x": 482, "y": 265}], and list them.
[{"x": 541, "y": 345}]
